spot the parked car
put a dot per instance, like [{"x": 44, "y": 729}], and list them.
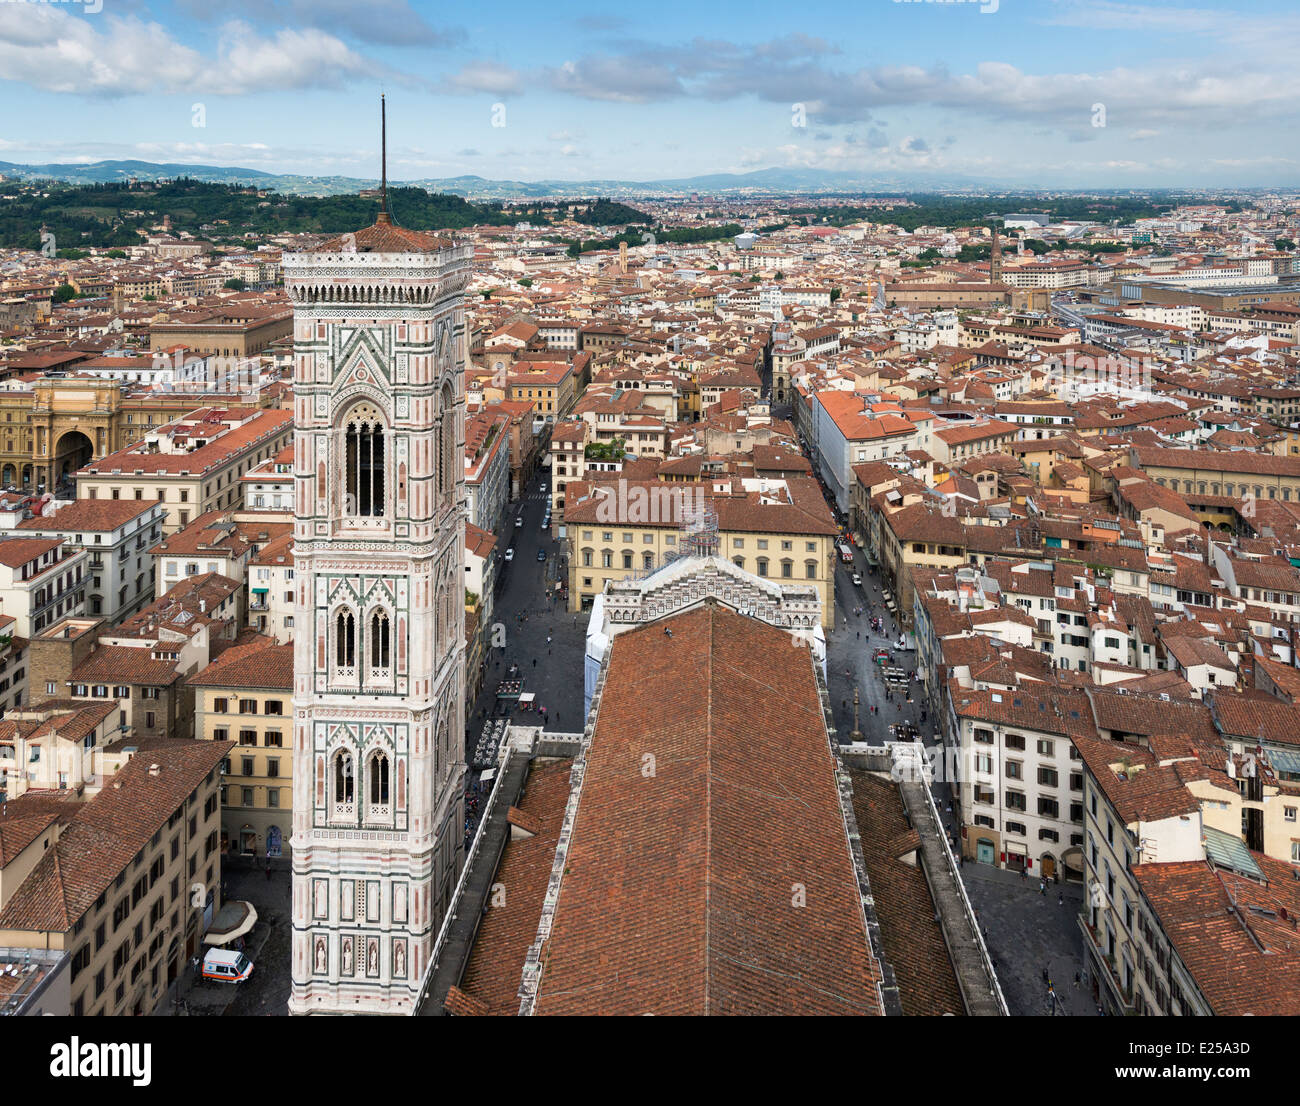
[
  {"x": 541, "y": 554},
  {"x": 510, "y": 554}
]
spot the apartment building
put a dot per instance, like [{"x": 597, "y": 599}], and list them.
[
  {"x": 779, "y": 529},
  {"x": 1216, "y": 936},
  {"x": 268, "y": 486},
  {"x": 1140, "y": 807},
  {"x": 41, "y": 581},
  {"x": 213, "y": 542},
  {"x": 848, "y": 429},
  {"x": 550, "y": 386},
  {"x": 56, "y": 745},
  {"x": 487, "y": 467},
  {"x": 244, "y": 697},
  {"x": 232, "y": 330},
  {"x": 116, "y": 536},
  {"x": 1018, "y": 776},
  {"x": 568, "y": 461},
  {"x": 270, "y": 589},
  {"x": 128, "y": 883},
  {"x": 191, "y": 466}
]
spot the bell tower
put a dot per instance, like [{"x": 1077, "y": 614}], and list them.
[{"x": 379, "y": 684}]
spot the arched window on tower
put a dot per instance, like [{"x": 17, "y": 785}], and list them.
[
  {"x": 343, "y": 776},
  {"x": 380, "y": 643},
  {"x": 377, "y": 781},
  {"x": 363, "y": 462},
  {"x": 447, "y": 445},
  {"x": 345, "y": 640}
]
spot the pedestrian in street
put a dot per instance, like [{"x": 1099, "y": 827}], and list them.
[
  {"x": 1042, "y": 887},
  {"x": 1060, "y": 898},
  {"x": 534, "y": 662},
  {"x": 268, "y": 867},
  {"x": 1023, "y": 875}
]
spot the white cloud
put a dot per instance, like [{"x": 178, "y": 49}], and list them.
[
  {"x": 50, "y": 49},
  {"x": 485, "y": 76}
]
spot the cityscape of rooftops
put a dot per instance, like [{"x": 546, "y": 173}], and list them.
[{"x": 719, "y": 510}]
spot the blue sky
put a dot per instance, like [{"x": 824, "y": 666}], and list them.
[{"x": 1004, "y": 91}]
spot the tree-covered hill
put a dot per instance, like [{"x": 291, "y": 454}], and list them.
[{"x": 113, "y": 214}]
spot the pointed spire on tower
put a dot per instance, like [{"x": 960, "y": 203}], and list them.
[{"x": 384, "y": 217}]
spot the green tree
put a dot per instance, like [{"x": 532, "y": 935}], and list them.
[
  {"x": 526, "y": 282},
  {"x": 235, "y": 284},
  {"x": 63, "y": 293},
  {"x": 1283, "y": 244}
]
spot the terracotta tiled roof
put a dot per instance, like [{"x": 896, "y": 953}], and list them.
[
  {"x": 20, "y": 830},
  {"x": 16, "y": 552},
  {"x": 106, "y": 832},
  {"x": 1257, "y": 717},
  {"x": 382, "y": 237},
  {"x": 260, "y": 664},
  {"x": 91, "y": 515},
  {"x": 913, "y": 939},
  {"x": 1236, "y": 936},
  {"x": 496, "y": 962},
  {"x": 679, "y": 882}
]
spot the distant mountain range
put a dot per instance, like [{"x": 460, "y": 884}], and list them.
[{"x": 760, "y": 181}]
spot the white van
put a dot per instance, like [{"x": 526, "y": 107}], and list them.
[{"x": 226, "y": 966}]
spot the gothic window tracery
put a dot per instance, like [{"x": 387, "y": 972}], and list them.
[
  {"x": 447, "y": 446},
  {"x": 364, "y": 457},
  {"x": 344, "y": 781},
  {"x": 345, "y": 639},
  {"x": 380, "y": 643},
  {"x": 377, "y": 774}
]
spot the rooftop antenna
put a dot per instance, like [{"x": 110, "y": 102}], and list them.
[{"x": 384, "y": 217}]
